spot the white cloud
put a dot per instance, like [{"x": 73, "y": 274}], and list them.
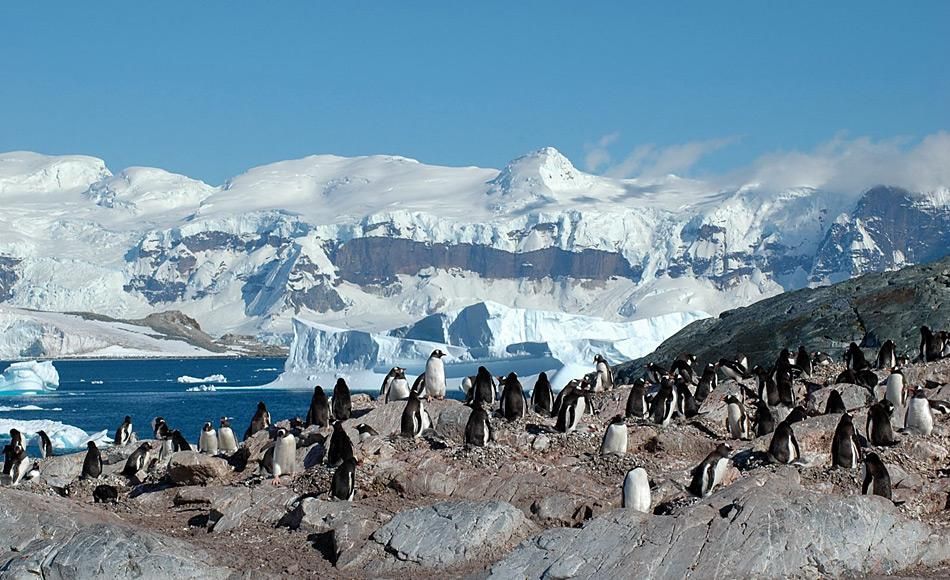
[
  {"x": 598, "y": 154},
  {"x": 649, "y": 160}
]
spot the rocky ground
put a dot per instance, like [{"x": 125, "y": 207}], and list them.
[{"x": 535, "y": 503}]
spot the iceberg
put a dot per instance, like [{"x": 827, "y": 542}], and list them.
[
  {"x": 64, "y": 437},
  {"x": 29, "y": 377},
  {"x": 209, "y": 379}
]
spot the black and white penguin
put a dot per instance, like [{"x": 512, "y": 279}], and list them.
[
  {"x": 395, "y": 386},
  {"x": 179, "y": 443},
  {"x": 785, "y": 363},
  {"x": 483, "y": 388},
  {"x": 342, "y": 402},
  {"x": 92, "y": 464},
  {"x": 709, "y": 474},
  {"x": 569, "y": 389},
  {"x": 160, "y": 428},
  {"x": 45, "y": 444},
  {"x": 821, "y": 358},
  {"x": 513, "y": 403},
  {"x": 764, "y": 422},
  {"x": 138, "y": 461},
  {"x": 16, "y": 463},
  {"x": 786, "y": 388},
  {"x": 208, "y": 440},
  {"x": 16, "y": 438},
  {"x": 932, "y": 344},
  {"x": 707, "y": 383},
  {"x": 845, "y": 447},
  {"x": 683, "y": 367},
  {"x": 605, "y": 378},
  {"x": 259, "y": 422},
  {"x": 419, "y": 385},
  {"x": 919, "y": 418},
  {"x": 637, "y": 400},
  {"x": 835, "y": 404},
  {"x": 123, "y": 435},
  {"x": 478, "y": 429},
  {"x": 366, "y": 431},
  {"x": 542, "y": 396},
  {"x": 742, "y": 360},
  {"x": 413, "y": 421},
  {"x": 343, "y": 485},
  {"x": 733, "y": 370},
  {"x": 854, "y": 358},
  {"x": 663, "y": 404},
  {"x": 227, "y": 442},
  {"x": 615, "y": 437},
  {"x": 105, "y": 494},
  {"x": 795, "y": 415},
  {"x": 282, "y": 456},
  {"x": 737, "y": 421},
  {"x": 654, "y": 373},
  {"x": 878, "y": 425},
  {"x": 803, "y": 362},
  {"x": 319, "y": 411},
  {"x": 894, "y": 390},
  {"x": 34, "y": 472},
  {"x": 886, "y": 356},
  {"x": 435, "y": 376},
  {"x": 572, "y": 409},
  {"x": 767, "y": 390},
  {"x": 635, "y": 493},
  {"x": 686, "y": 403},
  {"x": 340, "y": 445},
  {"x": 784, "y": 447},
  {"x": 876, "y": 478}
]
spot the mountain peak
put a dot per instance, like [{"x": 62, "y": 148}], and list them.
[{"x": 538, "y": 177}]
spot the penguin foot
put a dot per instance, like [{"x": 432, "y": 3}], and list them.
[{"x": 275, "y": 481}]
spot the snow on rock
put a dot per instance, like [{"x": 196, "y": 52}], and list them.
[
  {"x": 208, "y": 379},
  {"x": 29, "y": 377},
  {"x": 63, "y": 436}
]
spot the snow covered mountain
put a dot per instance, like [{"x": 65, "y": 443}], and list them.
[{"x": 373, "y": 243}]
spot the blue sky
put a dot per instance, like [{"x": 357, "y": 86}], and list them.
[{"x": 210, "y": 89}]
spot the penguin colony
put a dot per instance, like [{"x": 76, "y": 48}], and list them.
[{"x": 663, "y": 395}]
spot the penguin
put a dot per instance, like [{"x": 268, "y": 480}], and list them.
[
  {"x": 478, "y": 429},
  {"x": 742, "y": 360},
  {"x": 764, "y": 422},
  {"x": 797, "y": 414},
  {"x": 227, "y": 443},
  {"x": 342, "y": 403},
  {"x": 178, "y": 442},
  {"x": 654, "y": 373},
  {"x": 45, "y": 444},
  {"x": 886, "y": 356},
  {"x": 568, "y": 390},
  {"x": 835, "y": 404},
  {"x": 319, "y": 412},
  {"x": 733, "y": 370},
  {"x": 208, "y": 440},
  {"x": 878, "y": 425},
  {"x": 919, "y": 418},
  {"x": 572, "y": 409},
  {"x": 707, "y": 383},
  {"x": 259, "y": 422},
  {"x": 635, "y": 493},
  {"x": 412, "y": 423},
  {"x": 615, "y": 437},
  {"x": 15, "y": 463},
  {"x": 542, "y": 397},
  {"x": 821, "y": 358},
  {"x": 123, "y": 435},
  {"x": 686, "y": 403},
  {"x": 340, "y": 445},
  {"x": 343, "y": 485},
  {"x": 683, "y": 367},
  {"x": 604, "y": 374},
  {"x": 34, "y": 472},
  {"x": 768, "y": 391},
  {"x": 876, "y": 477},
  {"x": 854, "y": 358},
  {"x": 784, "y": 447},
  {"x": 709, "y": 474},
  {"x": 936, "y": 406},
  {"x": 397, "y": 387},
  {"x": 160, "y": 428},
  {"x": 483, "y": 388},
  {"x": 895, "y": 391},
  {"x": 366, "y": 431},
  {"x": 784, "y": 364},
  {"x": 931, "y": 344},
  {"x": 92, "y": 464},
  {"x": 283, "y": 455},
  {"x": 663, "y": 404},
  {"x": 105, "y": 494},
  {"x": 845, "y": 449},
  {"x": 16, "y": 438},
  {"x": 435, "y": 376},
  {"x": 803, "y": 361},
  {"x": 138, "y": 461},
  {"x": 786, "y": 390},
  {"x": 637, "y": 400},
  {"x": 737, "y": 421},
  {"x": 513, "y": 403},
  {"x": 419, "y": 385}
]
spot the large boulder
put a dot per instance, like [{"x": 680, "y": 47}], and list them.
[
  {"x": 229, "y": 507},
  {"x": 349, "y": 525},
  {"x": 193, "y": 468}
]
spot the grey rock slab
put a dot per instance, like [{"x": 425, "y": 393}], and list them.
[{"x": 193, "y": 468}]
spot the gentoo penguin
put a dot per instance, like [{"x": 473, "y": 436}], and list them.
[
  {"x": 931, "y": 344},
  {"x": 208, "y": 440},
  {"x": 784, "y": 447},
  {"x": 45, "y": 444},
  {"x": 572, "y": 409},
  {"x": 568, "y": 390},
  {"x": 366, "y": 431},
  {"x": 854, "y": 358},
  {"x": 513, "y": 403},
  {"x": 138, "y": 461},
  {"x": 654, "y": 373},
  {"x": 876, "y": 477},
  {"x": 835, "y": 404},
  {"x": 878, "y": 425},
  {"x": 795, "y": 415},
  {"x": 636, "y": 491},
  {"x": 179, "y": 443},
  {"x": 397, "y": 387},
  {"x": 478, "y": 429},
  {"x": 34, "y": 471},
  {"x": 615, "y": 437},
  {"x": 123, "y": 435},
  {"x": 637, "y": 400},
  {"x": 686, "y": 403},
  {"x": 784, "y": 363},
  {"x": 105, "y": 494},
  {"x": 483, "y": 388},
  {"x": 435, "y": 375},
  {"x": 663, "y": 404},
  {"x": 742, "y": 359},
  {"x": 803, "y": 361},
  {"x": 413, "y": 421},
  {"x": 343, "y": 486},
  {"x": 683, "y": 367},
  {"x": 786, "y": 390},
  {"x": 768, "y": 391},
  {"x": 821, "y": 358},
  {"x": 886, "y": 356},
  {"x": 15, "y": 461},
  {"x": 919, "y": 418},
  {"x": 737, "y": 421},
  {"x": 845, "y": 449},
  {"x": 342, "y": 403},
  {"x": 283, "y": 455},
  {"x": 160, "y": 428},
  {"x": 340, "y": 445},
  {"x": 92, "y": 464},
  {"x": 319, "y": 412},
  {"x": 605, "y": 378},
  {"x": 419, "y": 385},
  {"x": 260, "y": 422},
  {"x": 16, "y": 438},
  {"x": 227, "y": 443},
  {"x": 542, "y": 397},
  {"x": 895, "y": 391},
  {"x": 707, "y": 383},
  {"x": 764, "y": 422},
  {"x": 733, "y": 370},
  {"x": 709, "y": 474}
]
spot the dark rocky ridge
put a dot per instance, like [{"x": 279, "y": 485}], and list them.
[
  {"x": 867, "y": 310},
  {"x": 8, "y": 276}
]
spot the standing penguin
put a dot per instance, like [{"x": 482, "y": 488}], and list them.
[
  {"x": 764, "y": 422},
  {"x": 845, "y": 448},
  {"x": 784, "y": 447},
  {"x": 786, "y": 389},
  {"x": 605, "y": 377},
  {"x": 688, "y": 407},
  {"x": 260, "y": 422},
  {"x": 413, "y": 421},
  {"x": 919, "y": 418},
  {"x": 435, "y": 376},
  {"x": 895, "y": 391},
  {"x": 854, "y": 358},
  {"x": 683, "y": 367},
  {"x": 568, "y": 390},
  {"x": 342, "y": 402},
  {"x": 709, "y": 474},
  {"x": 768, "y": 390},
  {"x": 160, "y": 428},
  {"x": 92, "y": 464},
  {"x": 341, "y": 447},
  {"x": 707, "y": 383},
  {"x": 876, "y": 477},
  {"x": 483, "y": 388},
  {"x": 636, "y": 491},
  {"x": 208, "y": 440},
  {"x": 886, "y": 356},
  {"x": 637, "y": 400},
  {"x": 615, "y": 437},
  {"x": 737, "y": 421},
  {"x": 931, "y": 344},
  {"x": 227, "y": 443},
  {"x": 878, "y": 425},
  {"x": 281, "y": 458},
  {"x": 16, "y": 438},
  {"x": 343, "y": 485},
  {"x": 513, "y": 403},
  {"x": 138, "y": 461},
  {"x": 572, "y": 409},
  {"x": 478, "y": 429},
  {"x": 123, "y": 435},
  {"x": 319, "y": 412},
  {"x": 395, "y": 386},
  {"x": 663, "y": 404},
  {"x": 542, "y": 397},
  {"x": 45, "y": 444},
  {"x": 835, "y": 404},
  {"x": 179, "y": 443},
  {"x": 803, "y": 362},
  {"x": 15, "y": 462}
]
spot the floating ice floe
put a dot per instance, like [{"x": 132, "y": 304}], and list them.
[
  {"x": 29, "y": 377},
  {"x": 201, "y": 388},
  {"x": 6, "y": 409},
  {"x": 63, "y": 436},
  {"x": 209, "y": 379}
]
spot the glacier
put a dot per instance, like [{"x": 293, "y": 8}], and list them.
[{"x": 29, "y": 377}]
